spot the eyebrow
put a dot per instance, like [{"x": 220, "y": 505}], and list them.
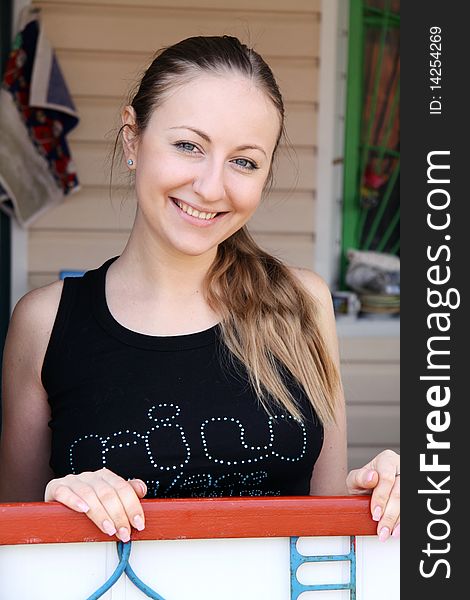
[{"x": 205, "y": 137}]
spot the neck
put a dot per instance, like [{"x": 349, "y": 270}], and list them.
[{"x": 151, "y": 266}]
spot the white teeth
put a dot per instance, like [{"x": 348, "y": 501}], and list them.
[{"x": 195, "y": 213}]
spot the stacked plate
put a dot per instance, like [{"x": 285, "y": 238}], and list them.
[{"x": 382, "y": 304}]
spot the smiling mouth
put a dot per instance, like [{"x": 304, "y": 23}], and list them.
[{"x": 204, "y": 216}]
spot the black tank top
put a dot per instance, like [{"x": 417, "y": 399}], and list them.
[{"x": 175, "y": 411}]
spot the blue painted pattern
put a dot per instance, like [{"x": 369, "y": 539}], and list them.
[
  {"x": 297, "y": 559},
  {"x": 124, "y": 552}
]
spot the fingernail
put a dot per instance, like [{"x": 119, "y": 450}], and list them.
[
  {"x": 384, "y": 533},
  {"x": 377, "y": 513},
  {"x": 108, "y": 527},
  {"x": 370, "y": 476},
  {"x": 396, "y": 531},
  {"x": 141, "y": 485},
  {"x": 139, "y": 522},
  {"x": 83, "y": 506},
  {"x": 123, "y": 534}
]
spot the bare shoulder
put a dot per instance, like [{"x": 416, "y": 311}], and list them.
[
  {"x": 314, "y": 284},
  {"x": 39, "y": 306},
  {"x": 32, "y": 322}
]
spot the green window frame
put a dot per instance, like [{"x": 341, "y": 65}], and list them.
[{"x": 371, "y": 207}]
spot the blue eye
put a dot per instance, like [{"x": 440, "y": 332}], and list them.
[
  {"x": 244, "y": 163},
  {"x": 186, "y": 147}
]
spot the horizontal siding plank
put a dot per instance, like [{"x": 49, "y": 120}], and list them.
[
  {"x": 92, "y": 208},
  {"x": 373, "y": 425},
  {"x": 358, "y": 456},
  {"x": 52, "y": 251},
  {"x": 307, "y": 6},
  {"x": 116, "y": 73},
  {"x": 294, "y": 250},
  {"x": 100, "y": 120},
  {"x": 371, "y": 383},
  {"x": 271, "y": 34},
  {"x": 294, "y": 170},
  {"x": 36, "y": 280},
  {"x": 369, "y": 349},
  {"x": 301, "y": 124},
  {"x": 292, "y": 213}
]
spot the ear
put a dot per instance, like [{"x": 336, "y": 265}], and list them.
[{"x": 129, "y": 137}]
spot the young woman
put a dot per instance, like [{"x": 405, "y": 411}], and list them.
[{"x": 195, "y": 363}]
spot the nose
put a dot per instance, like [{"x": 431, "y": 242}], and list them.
[{"x": 209, "y": 181}]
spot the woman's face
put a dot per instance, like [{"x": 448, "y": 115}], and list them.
[{"x": 207, "y": 148}]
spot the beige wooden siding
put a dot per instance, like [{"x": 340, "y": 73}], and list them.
[
  {"x": 102, "y": 47},
  {"x": 370, "y": 368}
]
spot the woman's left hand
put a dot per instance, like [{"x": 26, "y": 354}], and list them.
[{"x": 381, "y": 478}]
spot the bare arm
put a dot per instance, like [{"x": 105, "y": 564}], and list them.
[
  {"x": 25, "y": 441},
  {"x": 25, "y": 446}
]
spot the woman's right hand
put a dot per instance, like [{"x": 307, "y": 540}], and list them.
[{"x": 111, "y": 502}]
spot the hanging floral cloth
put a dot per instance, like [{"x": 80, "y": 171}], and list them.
[{"x": 36, "y": 114}]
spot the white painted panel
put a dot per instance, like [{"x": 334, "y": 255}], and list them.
[
  {"x": 196, "y": 569},
  {"x": 252, "y": 569},
  {"x": 382, "y": 559},
  {"x": 53, "y": 571}
]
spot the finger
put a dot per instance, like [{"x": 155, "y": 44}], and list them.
[
  {"x": 139, "y": 486},
  {"x": 396, "y": 531},
  {"x": 362, "y": 481},
  {"x": 127, "y": 493},
  {"x": 381, "y": 492},
  {"x": 71, "y": 488},
  {"x": 60, "y": 493},
  {"x": 390, "y": 518}
]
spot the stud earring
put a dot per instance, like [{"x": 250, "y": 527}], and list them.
[{"x": 130, "y": 162}]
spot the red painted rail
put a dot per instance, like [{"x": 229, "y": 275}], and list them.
[{"x": 201, "y": 518}]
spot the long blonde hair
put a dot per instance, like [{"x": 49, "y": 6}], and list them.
[
  {"x": 267, "y": 315},
  {"x": 269, "y": 321}
]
